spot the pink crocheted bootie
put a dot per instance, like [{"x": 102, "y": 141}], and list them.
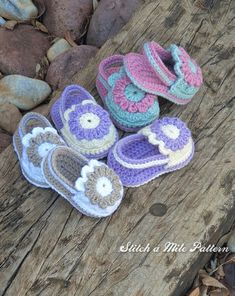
[
  {"x": 130, "y": 107},
  {"x": 170, "y": 73},
  {"x": 129, "y": 85}
]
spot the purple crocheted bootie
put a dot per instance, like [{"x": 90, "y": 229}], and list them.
[
  {"x": 164, "y": 146},
  {"x": 84, "y": 125}
]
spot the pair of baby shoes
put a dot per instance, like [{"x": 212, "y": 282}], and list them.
[
  {"x": 89, "y": 185},
  {"x": 68, "y": 160},
  {"x": 130, "y": 85}
]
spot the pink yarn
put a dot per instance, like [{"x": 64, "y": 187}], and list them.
[
  {"x": 194, "y": 79},
  {"x": 121, "y": 99},
  {"x": 170, "y": 73},
  {"x": 102, "y": 90}
]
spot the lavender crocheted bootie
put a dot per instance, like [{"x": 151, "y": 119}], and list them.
[
  {"x": 32, "y": 141},
  {"x": 90, "y": 186},
  {"x": 130, "y": 107},
  {"x": 84, "y": 125},
  {"x": 164, "y": 146}
]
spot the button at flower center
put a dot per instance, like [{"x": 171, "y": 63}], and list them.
[
  {"x": 104, "y": 186},
  {"x": 171, "y": 131},
  {"x": 89, "y": 121}
]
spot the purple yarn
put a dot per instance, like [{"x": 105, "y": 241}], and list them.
[
  {"x": 140, "y": 158},
  {"x": 137, "y": 177},
  {"x": 55, "y": 115},
  {"x": 93, "y": 133},
  {"x": 89, "y": 133},
  {"x": 72, "y": 95},
  {"x": 173, "y": 144}
]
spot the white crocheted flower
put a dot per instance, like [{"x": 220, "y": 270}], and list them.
[
  {"x": 100, "y": 184},
  {"x": 39, "y": 142}
]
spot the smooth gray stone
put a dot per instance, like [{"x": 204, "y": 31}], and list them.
[
  {"x": 2, "y": 21},
  {"x": 19, "y": 10},
  {"x": 23, "y": 92}
]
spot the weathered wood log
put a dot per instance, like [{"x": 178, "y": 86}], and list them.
[{"x": 48, "y": 248}]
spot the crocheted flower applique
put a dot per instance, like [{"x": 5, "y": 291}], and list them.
[
  {"x": 88, "y": 121},
  {"x": 171, "y": 134},
  {"x": 39, "y": 142},
  {"x": 100, "y": 184},
  {"x": 186, "y": 67},
  {"x": 128, "y": 96}
]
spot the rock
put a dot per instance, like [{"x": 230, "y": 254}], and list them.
[
  {"x": 231, "y": 242},
  {"x": 10, "y": 116},
  {"x": 63, "y": 68},
  {"x": 109, "y": 17},
  {"x": 67, "y": 16},
  {"x": 42, "y": 109},
  {"x": 23, "y": 92},
  {"x": 5, "y": 140},
  {"x": 57, "y": 48},
  {"x": 2, "y": 21},
  {"x": 19, "y": 10},
  {"x": 22, "y": 49}
]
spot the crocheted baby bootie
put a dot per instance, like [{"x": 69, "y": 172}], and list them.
[
  {"x": 33, "y": 139},
  {"x": 164, "y": 146},
  {"x": 90, "y": 186},
  {"x": 84, "y": 125},
  {"x": 130, "y": 107},
  {"x": 169, "y": 73}
]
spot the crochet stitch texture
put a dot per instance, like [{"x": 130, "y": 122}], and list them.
[
  {"x": 164, "y": 146},
  {"x": 84, "y": 125},
  {"x": 130, "y": 107},
  {"x": 129, "y": 85},
  {"x": 169, "y": 73},
  {"x": 32, "y": 141},
  {"x": 90, "y": 186}
]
